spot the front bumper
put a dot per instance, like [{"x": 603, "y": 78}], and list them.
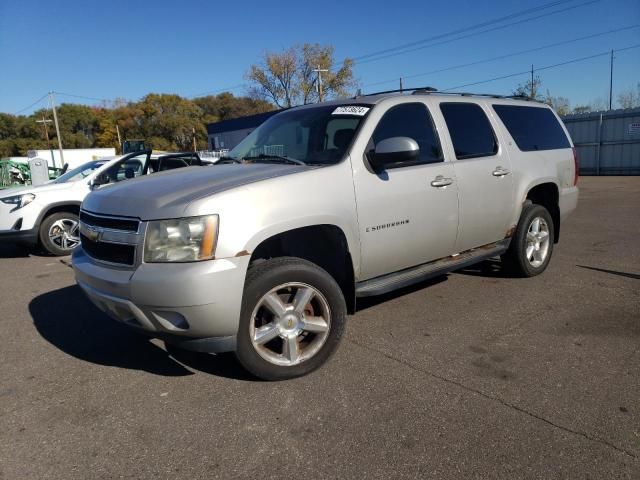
[
  {"x": 26, "y": 237},
  {"x": 193, "y": 305},
  {"x": 19, "y": 226}
]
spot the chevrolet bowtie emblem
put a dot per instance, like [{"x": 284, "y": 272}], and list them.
[{"x": 92, "y": 233}]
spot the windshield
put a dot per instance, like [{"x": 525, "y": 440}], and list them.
[
  {"x": 318, "y": 135},
  {"x": 80, "y": 172}
]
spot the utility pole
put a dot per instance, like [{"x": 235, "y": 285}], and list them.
[
  {"x": 319, "y": 72},
  {"x": 611, "y": 81},
  {"x": 119, "y": 140},
  {"x": 400, "y": 84},
  {"x": 531, "y": 96},
  {"x": 55, "y": 121},
  {"x": 193, "y": 130},
  {"x": 44, "y": 122}
]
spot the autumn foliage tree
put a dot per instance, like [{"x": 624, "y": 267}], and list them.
[
  {"x": 288, "y": 78},
  {"x": 165, "y": 121}
]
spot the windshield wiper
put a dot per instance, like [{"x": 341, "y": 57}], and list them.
[
  {"x": 227, "y": 159},
  {"x": 263, "y": 157}
]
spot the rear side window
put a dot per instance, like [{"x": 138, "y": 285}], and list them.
[
  {"x": 532, "y": 128},
  {"x": 470, "y": 130},
  {"x": 410, "y": 120}
]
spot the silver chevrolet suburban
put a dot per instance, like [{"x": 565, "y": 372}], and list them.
[{"x": 266, "y": 253}]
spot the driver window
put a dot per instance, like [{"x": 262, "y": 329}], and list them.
[{"x": 410, "y": 120}]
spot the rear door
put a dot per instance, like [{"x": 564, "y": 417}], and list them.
[
  {"x": 483, "y": 172},
  {"x": 407, "y": 215}
]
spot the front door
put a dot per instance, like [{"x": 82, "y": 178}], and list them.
[
  {"x": 407, "y": 215},
  {"x": 483, "y": 172}
]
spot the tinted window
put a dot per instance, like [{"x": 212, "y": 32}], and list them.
[
  {"x": 470, "y": 130},
  {"x": 532, "y": 128},
  {"x": 410, "y": 120}
]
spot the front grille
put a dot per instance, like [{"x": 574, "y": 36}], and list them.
[
  {"x": 110, "y": 223},
  {"x": 109, "y": 252}
]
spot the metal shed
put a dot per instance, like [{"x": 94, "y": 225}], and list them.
[
  {"x": 228, "y": 133},
  {"x": 608, "y": 143}
]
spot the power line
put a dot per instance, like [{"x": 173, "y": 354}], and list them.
[
  {"x": 32, "y": 105},
  {"x": 547, "y": 67},
  {"x": 462, "y": 30},
  {"x": 83, "y": 97},
  {"x": 213, "y": 92},
  {"x": 473, "y": 34},
  {"x": 508, "y": 55}
]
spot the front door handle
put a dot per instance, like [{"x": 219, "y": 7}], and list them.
[
  {"x": 500, "y": 172},
  {"x": 441, "y": 181}
]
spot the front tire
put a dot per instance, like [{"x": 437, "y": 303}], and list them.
[
  {"x": 532, "y": 244},
  {"x": 60, "y": 233},
  {"x": 293, "y": 316}
]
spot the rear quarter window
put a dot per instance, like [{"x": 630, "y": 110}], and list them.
[{"x": 533, "y": 128}]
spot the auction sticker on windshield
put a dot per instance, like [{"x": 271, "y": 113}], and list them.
[{"x": 351, "y": 110}]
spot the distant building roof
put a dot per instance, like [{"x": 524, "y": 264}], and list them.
[{"x": 252, "y": 121}]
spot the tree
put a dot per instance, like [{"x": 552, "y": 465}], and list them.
[
  {"x": 559, "y": 104},
  {"x": 165, "y": 121},
  {"x": 581, "y": 109},
  {"x": 288, "y": 78},
  {"x": 225, "y": 106},
  {"x": 629, "y": 98},
  {"x": 531, "y": 89}
]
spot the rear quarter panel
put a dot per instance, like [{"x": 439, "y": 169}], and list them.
[{"x": 536, "y": 167}]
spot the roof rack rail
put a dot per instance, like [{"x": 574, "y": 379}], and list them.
[
  {"x": 398, "y": 90},
  {"x": 430, "y": 90}
]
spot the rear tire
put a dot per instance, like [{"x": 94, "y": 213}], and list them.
[
  {"x": 292, "y": 319},
  {"x": 532, "y": 244},
  {"x": 60, "y": 233}
]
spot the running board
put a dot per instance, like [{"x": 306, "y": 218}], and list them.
[{"x": 409, "y": 276}]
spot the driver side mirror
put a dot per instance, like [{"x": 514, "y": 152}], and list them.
[
  {"x": 392, "y": 151},
  {"x": 99, "y": 180}
]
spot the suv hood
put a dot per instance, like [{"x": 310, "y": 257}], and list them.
[
  {"x": 47, "y": 187},
  {"x": 168, "y": 194}
]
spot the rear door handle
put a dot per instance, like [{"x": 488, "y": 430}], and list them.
[
  {"x": 500, "y": 172},
  {"x": 441, "y": 181}
]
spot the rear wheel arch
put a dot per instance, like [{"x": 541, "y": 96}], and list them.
[
  {"x": 325, "y": 245},
  {"x": 547, "y": 195}
]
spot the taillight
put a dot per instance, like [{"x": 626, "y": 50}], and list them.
[{"x": 576, "y": 166}]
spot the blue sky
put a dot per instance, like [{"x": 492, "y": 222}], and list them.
[{"x": 109, "y": 49}]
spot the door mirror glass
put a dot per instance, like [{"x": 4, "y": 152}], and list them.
[
  {"x": 394, "y": 150},
  {"x": 101, "y": 179}
]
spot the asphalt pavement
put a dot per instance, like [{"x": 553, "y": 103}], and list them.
[{"x": 472, "y": 375}]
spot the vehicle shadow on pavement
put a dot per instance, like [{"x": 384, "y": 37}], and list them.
[
  {"x": 70, "y": 322},
  {"x": 368, "y": 302},
  {"x": 488, "y": 268}
]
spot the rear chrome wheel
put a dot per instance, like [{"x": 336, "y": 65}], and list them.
[
  {"x": 293, "y": 316},
  {"x": 532, "y": 243},
  {"x": 537, "y": 242}
]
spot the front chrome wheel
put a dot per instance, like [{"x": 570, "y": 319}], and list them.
[
  {"x": 64, "y": 233},
  {"x": 290, "y": 324},
  {"x": 537, "y": 247}
]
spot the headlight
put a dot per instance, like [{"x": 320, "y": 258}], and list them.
[
  {"x": 181, "y": 240},
  {"x": 19, "y": 200}
]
